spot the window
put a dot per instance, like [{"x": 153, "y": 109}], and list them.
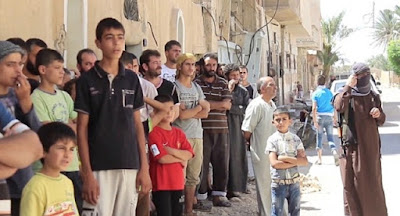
[{"x": 131, "y": 11}]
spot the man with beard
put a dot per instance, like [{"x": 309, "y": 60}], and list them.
[
  {"x": 360, "y": 163},
  {"x": 85, "y": 60},
  {"x": 33, "y": 45},
  {"x": 215, "y": 135},
  {"x": 257, "y": 127},
  {"x": 172, "y": 51},
  {"x": 150, "y": 66}
]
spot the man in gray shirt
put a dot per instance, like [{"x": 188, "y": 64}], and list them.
[{"x": 193, "y": 107}]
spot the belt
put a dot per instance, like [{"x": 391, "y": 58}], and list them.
[{"x": 286, "y": 181}]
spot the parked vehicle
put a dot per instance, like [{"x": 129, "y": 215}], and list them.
[
  {"x": 338, "y": 84},
  {"x": 306, "y": 132}
]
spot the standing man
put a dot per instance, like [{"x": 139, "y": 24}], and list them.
[
  {"x": 34, "y": 45},
  {"x": 193, "y": 108},
  {"x": 215, "y": 135},
  {"x": 244, "y": 74},
  {"x": 324, "y": 117},
  {"x": 150, "y": 65},
  {"x": 110, "y": 134},
  {"x": 172, "y": 50},
  {"x": 85, "y": 60},
  {"x": 361, "y": 113},
  {"x": 257, "y": 127}
]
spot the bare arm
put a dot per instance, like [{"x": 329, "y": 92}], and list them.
[
  {"x": 287, "y": 159},
  {"x": 21, "y": 150},
  {"x": 247, "y": 135},
  {"x": 204, "y": 112},
  {"x": 277, "y": 164},
  {"x": 168, "y": 159},
  {"x": 301, "y": 158},
  {"x": 314, "y": 112},
  {"x": 225, "y": 104},
  {"x": 155, "y": 104},
  {"x": 183, "y": 155},
  {"x": 189, "y": 113}
]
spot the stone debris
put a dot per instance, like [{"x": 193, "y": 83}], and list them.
[{"x": 309, "y": 184}]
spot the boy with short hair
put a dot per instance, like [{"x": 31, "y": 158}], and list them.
[
  {"x": 169, "y": 152},
  {"x": 110, "y": 134},
  {"x": 54, "y": 105},
  {"x": 286, "y": 152},
  {"x": 49, "y": 192}
]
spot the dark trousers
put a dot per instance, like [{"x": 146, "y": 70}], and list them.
[
  {"x": 168, "y": 203},
  {"x": 216, "y": 151},
  {"x": 77, "y": 182},
  {"x": 15, "y": 204}
]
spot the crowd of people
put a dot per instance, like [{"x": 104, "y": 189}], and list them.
[{"x": 124, "y": 135}]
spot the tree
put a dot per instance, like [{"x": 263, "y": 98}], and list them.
[
  {"x": 387, "y": 27},
  {"x": 333, "y": 30},
  {"x": 379, "y": 61},
  {"x": 394, "y": 55}
]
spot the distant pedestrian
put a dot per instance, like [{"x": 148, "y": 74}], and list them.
[
  {"x": 300, "y": 92},
  {"x": 286, "y": 152},
  {"x": 251, "y": 88}
]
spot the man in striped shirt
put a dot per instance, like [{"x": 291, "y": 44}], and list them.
[{"x": 215, "y": 135}]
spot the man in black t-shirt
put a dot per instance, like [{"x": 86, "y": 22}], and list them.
[{"x": 150, "y": 66}]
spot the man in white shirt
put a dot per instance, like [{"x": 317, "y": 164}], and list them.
[{"x": 172, "y": 51}]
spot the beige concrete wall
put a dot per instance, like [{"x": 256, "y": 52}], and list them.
[{"x": 29, "y": 18}]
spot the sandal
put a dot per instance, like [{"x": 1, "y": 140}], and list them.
[
  {"x": 221, "y": 202},
  {"x": 202, "y": 205}
]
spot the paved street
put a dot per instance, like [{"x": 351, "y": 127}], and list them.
[{"x": 329, "y": 200}]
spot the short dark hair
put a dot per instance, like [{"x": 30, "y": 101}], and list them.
[
  {"x": 46, "y": 57},
  {"x": 281, "y": 110},
  {"x": 127, "y": 57},
  {"x": 163, "y": 98},
  {"x": 211, "y": 55},
  {"x": 244, "y": 67},
  {"x": 68, "y": 86},
  {"x": 107, "y": 23},
  {"x": 321, "y": 80},
  {"x": 229, "y": 68},
  {"x": 34, "y": 42},
  {"x": 145, "y": 57},
  {"x": 171, "y": 43},
  {"x": 18, "y": 41},
  {"x": 51, "y": 133},
  {"x": 81, "y": 52}
]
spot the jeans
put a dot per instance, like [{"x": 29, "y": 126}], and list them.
[
  {"x": 290, "y": 192},
  {"x": 325, "y": 121}
]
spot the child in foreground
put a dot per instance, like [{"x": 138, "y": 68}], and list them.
[
  {"x": 169, "y": 152},
  {"x": 49, "y": 192},
  {"x": 286, "y": 152}
]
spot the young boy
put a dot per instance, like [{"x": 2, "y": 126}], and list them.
[
  {"x": 49, "y": 192},
  {"x": 53, "y": 105},
  {"x": 286, "y": 152},
  {"x": 169, "y": 152},
  {"x": 111, "y": 138}
]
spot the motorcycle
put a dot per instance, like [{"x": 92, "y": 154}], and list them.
[{"x": 307, "y": 132}]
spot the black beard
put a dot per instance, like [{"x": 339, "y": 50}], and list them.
[
  {"x": 209, "y": 73},
  {"x": 31, "y": 68}
]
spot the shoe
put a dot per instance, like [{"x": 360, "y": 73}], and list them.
[
  {"x": 229, "y": 195},
  {"x": 203, "y": 205},
  {"x": 318, "y": 162},
  {"x": 221, "y": 201},
  {"x": 336, "y": 157}
]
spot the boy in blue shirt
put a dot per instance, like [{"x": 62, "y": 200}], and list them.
[{"x": 286, "y": 152}]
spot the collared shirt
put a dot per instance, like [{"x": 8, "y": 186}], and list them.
[
  {"x": 216, "y": 122},
  {"x": 110, "y": 105}
]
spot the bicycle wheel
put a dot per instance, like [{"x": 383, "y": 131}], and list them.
[{"x": 309, "y": 138}]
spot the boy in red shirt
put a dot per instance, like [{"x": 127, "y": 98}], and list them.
[{"x": 169, "y": 153}]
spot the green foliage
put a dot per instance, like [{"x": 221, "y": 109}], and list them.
[
  {"x": 333, "y": 31},
  {"x": 394, "y": 55},
  {"x": 380, "y": 62},
  {"x": 387, "y": 27}
]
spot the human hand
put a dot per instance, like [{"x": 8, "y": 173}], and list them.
[
  {"x": 184, "y": 164},
  {"x": 375, "y": 112},
  {"x": 90, "y": 189},
  {"x": 143, "y": 181},
  {"x": 232, "y": 83},
  {"x": 352, "y": 81},
  {"x": 316, "y": 125},
  {"x": 22, "y": 88},
  {"x": 169, "y": 150}
]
